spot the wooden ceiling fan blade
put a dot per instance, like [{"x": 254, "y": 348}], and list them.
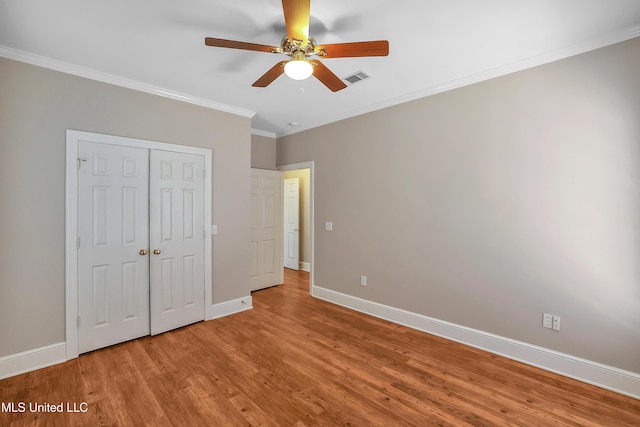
[
  {"x": 355, "y": 49},
  {"x": 210, "y": 41},
  {"x": 296, "y": 17},
  {"x": 268, "y": 77},
  {"x": 326, "y": 76}
]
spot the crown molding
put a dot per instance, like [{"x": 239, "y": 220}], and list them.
[
  {"x": 261, "y": 132},
  {"x": 88, "y": 73},
  {"x": 594, "y": 43}
]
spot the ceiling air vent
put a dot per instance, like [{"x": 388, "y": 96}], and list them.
[{"x": 356, "y": 77}]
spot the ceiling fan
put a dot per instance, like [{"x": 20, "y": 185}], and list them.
[{"x": 298, "y": 45}]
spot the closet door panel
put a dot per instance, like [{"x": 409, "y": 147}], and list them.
[
  {"x": 113, "y": 231},
  {"x": 177, "y": 239}
]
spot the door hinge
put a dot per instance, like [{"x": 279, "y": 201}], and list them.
[
  {"x": 204, "y": 174},
  {"x": 78, "y": 321},
  {"x": 78, "y": 242},
  {"x": 80, "y": 160}
]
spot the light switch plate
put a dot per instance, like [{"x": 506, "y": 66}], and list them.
[
  {"x": 328, "y": 225},
  {"x": 214, "y": 229}
]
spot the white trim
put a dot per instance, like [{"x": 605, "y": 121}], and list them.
[
  {"x": 71, "y": 250},
  {"x": 311, "y": 166},
  {"x": 608, "y": 377},
  {"x": 19, "y": 363},
  {"x": 88, "y": 73},
  {"x": 71, "y": 220},
  {"x": 227, "y": 308},
  {"x": 523, "y": 64},
  {"x": 305, "y": 266},
  {"x": 261, "y": 132}
]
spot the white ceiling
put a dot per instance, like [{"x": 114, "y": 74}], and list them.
[{"x": 434, "y": 45}]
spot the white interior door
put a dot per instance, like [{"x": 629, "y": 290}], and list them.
[
  {"x": 141, "y": 242},
  {"x": 113, "y": 238},
  {"x": 292, "y": 223},
  {"x": 177, "y": 239},
  {"x": 266, "y": 229}
]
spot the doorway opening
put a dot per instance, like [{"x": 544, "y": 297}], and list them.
[{"x": 303, "y": 173}]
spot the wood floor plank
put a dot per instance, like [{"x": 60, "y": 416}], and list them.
[{"x": 298, "y": 361}]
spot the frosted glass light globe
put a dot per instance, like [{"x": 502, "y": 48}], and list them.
[{"x": 298, "y": 69}]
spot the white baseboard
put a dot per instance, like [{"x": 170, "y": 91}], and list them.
[
  {"x": 15, "y": 364},
  {"x": 608, "y": 377},
  {"x": 229, "y": 307},
  {"x": 31, "y": 360},
  {"x": 305, "y": 266}
]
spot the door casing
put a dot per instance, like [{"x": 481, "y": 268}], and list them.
[{"x": 71, "y": 219}]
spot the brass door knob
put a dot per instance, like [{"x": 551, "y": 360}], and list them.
[
  {"x": 143, "y": 251},
  {"x": 156, "y": 251}
]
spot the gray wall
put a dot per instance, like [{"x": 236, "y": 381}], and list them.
[
  {"x": 36, "y": 107},
  {"x": 488, "y": 205},
  {"x": 263, "y": 152}
]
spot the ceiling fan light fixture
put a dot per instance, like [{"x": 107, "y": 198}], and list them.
[
  {"x": 298, "y": 69},
  {"x": 297, "y": 45}
]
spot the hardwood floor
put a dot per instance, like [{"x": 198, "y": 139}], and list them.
[{"x": 297, "y": 361}]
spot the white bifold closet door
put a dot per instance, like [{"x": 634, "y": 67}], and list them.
[{"x": 140, "y": 242}]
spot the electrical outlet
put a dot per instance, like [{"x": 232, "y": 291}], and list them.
[
  {"x": 363, "y": 280},
  {"x": 551, "y": 321},
  {"x": 547, "y": 320}
]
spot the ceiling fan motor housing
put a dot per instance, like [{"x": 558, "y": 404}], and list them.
[{"x": 296, "y": 50}]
